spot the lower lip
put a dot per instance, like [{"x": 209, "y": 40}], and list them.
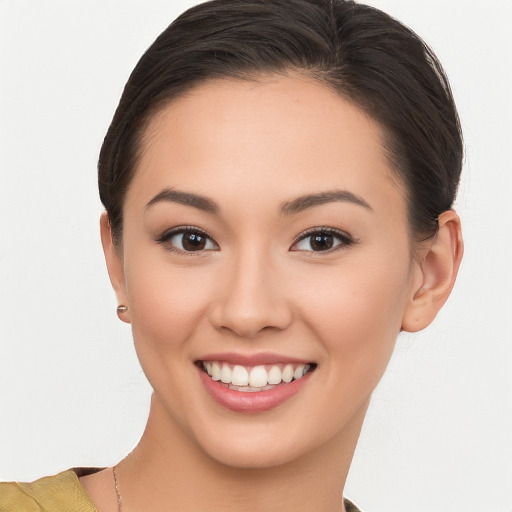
[{"x": 251, "y": 401}]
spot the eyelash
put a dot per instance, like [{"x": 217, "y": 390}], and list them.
[
  {"x": 344, "y": 239},
  {"x": 165, "y": 239}
]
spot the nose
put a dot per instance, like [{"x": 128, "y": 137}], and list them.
[{"x": 251, "y": 299}]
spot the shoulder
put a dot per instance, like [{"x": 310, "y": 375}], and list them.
[{"x": 58, "y": 493}]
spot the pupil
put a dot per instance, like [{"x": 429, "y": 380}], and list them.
[
  {"x": 193, "y": 242},
  {"x": 321, "y": 242}
]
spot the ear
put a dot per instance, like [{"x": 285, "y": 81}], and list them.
[
  {"x": 113, "y": 258},
  {"x": 435, "y": 274}
]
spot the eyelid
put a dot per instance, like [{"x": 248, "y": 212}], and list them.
[
  {"x": 168, "y": 234},
  {"x": 344, "y": 237}
]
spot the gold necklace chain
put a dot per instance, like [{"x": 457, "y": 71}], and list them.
[{"x": 118, "y": 493}]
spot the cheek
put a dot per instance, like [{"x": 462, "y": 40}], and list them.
[
  {"x": 167, "y": 304},
  {"x": 357, "y": 316},
  {"x": 168, "y": 307}
]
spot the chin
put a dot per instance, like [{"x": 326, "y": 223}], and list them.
[
  {"x": 272, "y": 440},
  {"x": 254, "y": 454}
]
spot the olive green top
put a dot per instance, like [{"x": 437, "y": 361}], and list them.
[{"x": 59, "y": 493}]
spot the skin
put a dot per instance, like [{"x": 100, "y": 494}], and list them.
[{"x": 250, "y": 148}]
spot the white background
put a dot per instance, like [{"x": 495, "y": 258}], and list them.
[{"x": 439, "y": 433}]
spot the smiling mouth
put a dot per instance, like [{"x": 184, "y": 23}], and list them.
[{"x": 254, "y": 378}]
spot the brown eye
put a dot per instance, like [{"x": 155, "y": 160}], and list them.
[
  {"x": 322, "y": 240},
  {"x": 188, "y": 240},
  {"x": 193, "y": 241}
]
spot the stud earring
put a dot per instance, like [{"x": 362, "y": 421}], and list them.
[{"x": 120, "y": 310}]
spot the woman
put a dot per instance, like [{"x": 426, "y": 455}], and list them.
[{"x": 278, "y": 182}]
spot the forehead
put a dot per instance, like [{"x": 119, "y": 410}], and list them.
[{"x": 277, "y": 137}]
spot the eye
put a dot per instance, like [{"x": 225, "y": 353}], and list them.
[
  {"x": 322, "y": 240},
  {"x": 188, "y": 239}
]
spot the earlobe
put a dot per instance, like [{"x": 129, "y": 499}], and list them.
[
  {"x": 114, "y": 263},
  {"x": 435, "y": 274}
]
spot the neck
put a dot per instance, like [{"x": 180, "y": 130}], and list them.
[{"x": 168, "y": 471}]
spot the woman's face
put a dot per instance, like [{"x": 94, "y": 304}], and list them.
[{"x": 264, "y": 229}]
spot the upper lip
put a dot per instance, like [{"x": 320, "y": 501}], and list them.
[{"x": 252, "y": 359}]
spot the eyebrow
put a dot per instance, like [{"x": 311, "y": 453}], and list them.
[
  {"x": 288, "y": 208},
  {"x": 311, "y": 200},
  {"x": 188, "y": 199}
]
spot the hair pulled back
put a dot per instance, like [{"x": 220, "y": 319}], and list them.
[{"x": 367, "y": 56}]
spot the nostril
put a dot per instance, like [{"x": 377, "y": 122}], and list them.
[
  {"x": 250, "y": 325},
  {"x": 248, "y": 307}
]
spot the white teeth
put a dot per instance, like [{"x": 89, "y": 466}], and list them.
[
  {"x": 216, "y": 371},
  {"x": 258, "y": 377},
  {"x": 287, "y": 373},
  {"x": 249, "y": 389},
  {"x": 299, "y": 372},
  {"x": 226, "y": 374},
  {"x": 239, "y": 376},
  {"x": 274, "y": 375}
]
